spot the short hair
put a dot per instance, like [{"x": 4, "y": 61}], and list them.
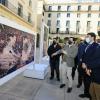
[
  {"x": 56, "y": 38},
  {"x": 92, "y": 35},
  {"x": 66, "y": 38}
]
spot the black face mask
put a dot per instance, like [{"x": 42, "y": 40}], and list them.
[
  {"x": 69, "y": 42},
  {"x": 54, "y": 42}
]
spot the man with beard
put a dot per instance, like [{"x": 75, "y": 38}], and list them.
[
  {"x": 54, "y": 58},
  {"x": 70, "y": 52},
  {"x": 91, "y": 64}
]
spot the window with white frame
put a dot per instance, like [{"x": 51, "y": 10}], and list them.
[
  {"x": 68, "y": 8},
  {"x": 58, "y": 23},
  {"x": 68, "y": 14},
  {"x": 79, "y": 7},
  {"x": 59, "y": 8},
  {"x": 49, "y": 15},
  {"x": 50, "y": 8},
  {"x": 49, "y": 23},
  {"x": 58, "y": 15}
]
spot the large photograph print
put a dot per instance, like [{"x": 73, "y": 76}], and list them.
[
  {"x": 16, "y": 49},
  {"x": 45, "y": 41}
]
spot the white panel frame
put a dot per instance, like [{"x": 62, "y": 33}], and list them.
[
  {"x": 12, "y": 24},
  {"x": 41, "y": 42}
]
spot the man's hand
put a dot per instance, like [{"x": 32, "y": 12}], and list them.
[
  {"x": 64, "y": 52},
  {"x": 88, "y": 72},
  {"x": 84, "y": 66},
  {"x": 54, "y": 54}
]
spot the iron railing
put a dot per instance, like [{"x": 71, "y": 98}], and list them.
[
  {"x": 14, "y": 9},
  {"x": 64, "y": 32}
]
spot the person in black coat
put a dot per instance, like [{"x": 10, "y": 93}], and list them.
[
  {"x": 92, "y": 66},
  {"x": 81, "y": 49},
  {"x": 54, "y": 60},
  {"x": 89, "y": 61}
]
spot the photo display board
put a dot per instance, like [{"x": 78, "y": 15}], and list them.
[{"x": 16, "y": 49}]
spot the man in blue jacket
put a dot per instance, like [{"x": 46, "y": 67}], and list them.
[
  {"x": 81, "y": 49},
  {"x": 91, "y": 63}
]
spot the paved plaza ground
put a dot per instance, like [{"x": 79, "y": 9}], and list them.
[{"x": 22, "y": 88}]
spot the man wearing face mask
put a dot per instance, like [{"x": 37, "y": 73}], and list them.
[
  {"x": 81, "y": 49},
  {"x": 70, "y": 52},
  {"x": 54, "y": 60},
  {"x": 91, "y": 60},
  {"x": 92, "y": 66},
  {"x": 84, "y": 77}
]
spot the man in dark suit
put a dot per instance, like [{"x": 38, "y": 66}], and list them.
[
  {"x": 89, "y": 59},
  {"x": 81, "y": 49},
  {"x": 93, "y": 70}
]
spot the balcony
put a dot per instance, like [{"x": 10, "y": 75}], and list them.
[
  {"x": 64, "y": 32},
  {"x": 15, "y": 10}
]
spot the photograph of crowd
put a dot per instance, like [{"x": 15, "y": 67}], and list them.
[{"x": 16, "y": 49}]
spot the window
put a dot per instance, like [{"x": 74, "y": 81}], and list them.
[
  {"x": 98, "y": 23},
  {"x": 79, "y": 8},
  {"x": 78, "y": 15},
  {"x": 49, "y": 23},
  {"x": 99, "y": 15},
  {"x": 57, "y": 30},
  {"x": 68, "y": 14},
  {"x": 43, "y": 13},
  {"x": 67, "y": 30},
  {"x": 58, "y": 23},
  {"x": 4, "y": 2},
  {"x": 49, "y": 15},
  {"x": 68, "y": 8},
  {"x": 89, "y": 8},
  {"x": 59, "y": 8},
  {"x": 88, "y": 25},
  {"x": 49, "y": 30},
  {"x": 99, "y": 8},
  {"x": 77, "y": 27},
  {"x": 29, "y": 17},
  {"x": 20, "y": 10},
  {"x": 50, "y": 8},
  {"x": 89, "y": 15},
  {"x": 68, "y": 24},
  {"x": 58, "y": 15},
  {"x": 30, "y": 3}
]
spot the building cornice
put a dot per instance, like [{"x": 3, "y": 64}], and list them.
[
  {"x": 81, "y": 3},
  {"x": 94, "y": 11}
]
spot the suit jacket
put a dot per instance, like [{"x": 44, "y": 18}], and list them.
[
  {"x": 92, "y": 60},
  {"x": 71, "y": 53}
]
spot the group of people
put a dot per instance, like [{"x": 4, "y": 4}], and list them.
[{"x": 83, "y": 56}]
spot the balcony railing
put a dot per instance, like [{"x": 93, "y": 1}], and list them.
[
  {"x": 14, "y": 9},
  {"x": 64, "y": 32}
]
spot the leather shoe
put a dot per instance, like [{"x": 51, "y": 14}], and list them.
[
  {"x": 84, "y": 96},
  {"x": 78, "y": 86},
  {"x": 62, "y": 85},
  {"x": 51, "y": 78},
  {"x": 69, "y": 90},
  {"x": 58, "y": 79}
]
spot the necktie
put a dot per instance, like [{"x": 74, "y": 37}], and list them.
[{"x": 87, "y": 47}]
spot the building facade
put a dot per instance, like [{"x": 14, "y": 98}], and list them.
[
  {"x": 73, "y": 18},
  {"x": 23, "y": 12}
]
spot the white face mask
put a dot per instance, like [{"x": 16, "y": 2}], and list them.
[{"x": 88, "y": 40}]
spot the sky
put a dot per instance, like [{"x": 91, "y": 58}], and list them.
[{"x": 62, "y": 1}]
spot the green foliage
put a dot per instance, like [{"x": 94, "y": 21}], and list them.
[{"x": 61, "y": 40}]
